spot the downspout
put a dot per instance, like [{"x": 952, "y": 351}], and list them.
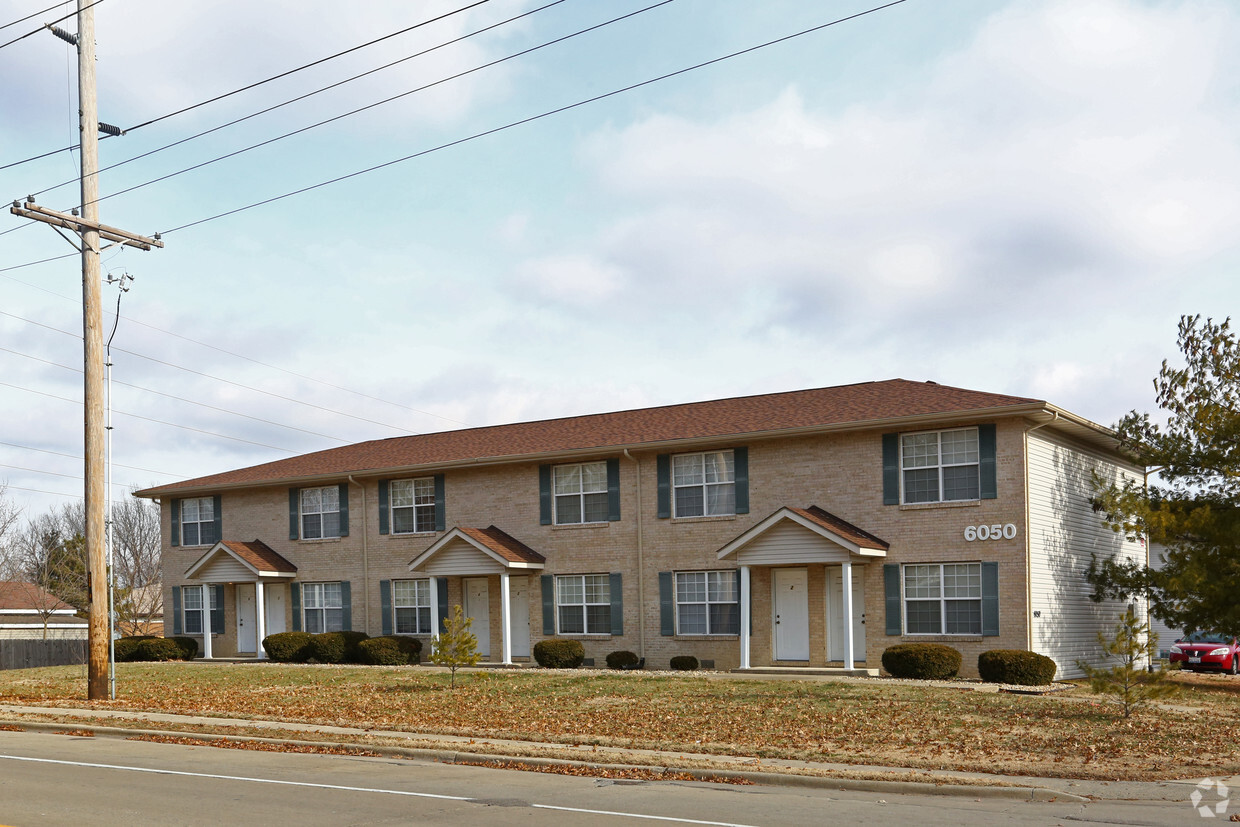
[
  {"x": 641, "y": 566},
  {"x": 1029, "y": 538},
  {"x": 365, "y": 557}
]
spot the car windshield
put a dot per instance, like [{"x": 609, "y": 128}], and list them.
[{"x": 1206, "y": 637}]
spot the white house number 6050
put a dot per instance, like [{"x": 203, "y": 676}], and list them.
[{"x": 990, "y": 532}]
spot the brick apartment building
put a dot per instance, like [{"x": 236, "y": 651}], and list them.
[{"x": 826, "y": 524}]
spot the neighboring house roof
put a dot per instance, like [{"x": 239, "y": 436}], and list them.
[
  {"x": 868, "y": 404},
  {"x": 26, "y": 597}
]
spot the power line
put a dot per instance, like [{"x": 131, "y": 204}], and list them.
[
  {"x": 41, "y": 491},
  {"x": 27, "y": 17},
  {"x": 308, "y": 94},
  {"x": 40, "y": 261},
  {"x": 79, "y": 456},
  {"x": 532, "y": 118},
  {"x": 41, "y": 28},
  {"x": 54, "y": 474}
]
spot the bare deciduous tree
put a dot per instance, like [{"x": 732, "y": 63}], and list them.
[{"x": 136, "y": 565}]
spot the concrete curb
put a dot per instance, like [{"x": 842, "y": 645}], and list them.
[{"x": 446, "y": 756}]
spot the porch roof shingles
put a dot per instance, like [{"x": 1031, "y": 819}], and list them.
[
  {"x": 845, "y": 529},
  {"x": 261, "y": 556},
  {"x": 720, "y": 418},
  {"x": 504, "y": 544}
]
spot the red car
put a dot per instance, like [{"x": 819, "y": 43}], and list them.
[{"x": 1207, "y": 650}]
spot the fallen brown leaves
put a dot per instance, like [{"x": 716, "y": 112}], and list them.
[
  {"x": 587, "y": 771},
  {"x": 257, "y": 746},
  {"x": 78, "y": 733}
]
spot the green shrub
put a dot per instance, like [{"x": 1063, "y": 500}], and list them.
[
  {"x": 559, "y": 653},
  {"x": 126, "y": 646},
  {"x": 156, "y": 649},
  {"x": 623, "y": 659},
  {"x": 1016, "y": 666},
  {"x": 288, "y": 647},
  {"x": 351, "y": 640},
  {"x": 393, "y": 650},
  {"x": 329, "y": 647},
  {"x": 923, "y": 661},
  {"x": 187, "y": 645},
  {"x": 685, "y": 663}
]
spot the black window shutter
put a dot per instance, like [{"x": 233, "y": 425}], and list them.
[
  {"x": 344, "y": 509},
  {"x": 294, "y": 597},
  {"x": 441, "y": 510},
  {"x": 740, "y": 465},
  {"x": 736, "y": 630},
  {"x": 891, "y": 469},
  {"x": 990, "y": 599},
  {"x": 613, "y": 489},
  {"x": 294, "y": 517},
  {"x": 663, "y": 472},
  {"x": 216, "y": 508},
  {"x": 667, "y": 609},
  {"x": 544, "y": 494},
  {"x": 385, "y": 605},
  {"x": 346, "y": 606},
  {"x": 441, "y": 586},
  {"x": 617, "y": 604},
  {"x": 548, "y": 604},
  {"x": 986, "y": 466},
  {"x": 217, "y": 614},
  {"x": 176, "y": 525},
  {"x": 891, "y": 590},
  {"x": 176, "y": 609},
  {"x": 383, "y": 508}
]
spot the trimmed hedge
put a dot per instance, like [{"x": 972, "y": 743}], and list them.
[
  {"x": 623, "y": 659},
  {"x": 559, "y": 653},
  {"x": 923, "y": 661},
  {"x": 1016, "y": 666},
  {"x": 288, "y": 647},
  {"x": 351, "y": 641},
  {"x": 158, "y": 649},
  {"x": 187, "y": 645},
  {"x": 392, "y": 650},
  {"x": 126, "y": 646},
  {"x": 329, "y": 647},
  {"x": 685, "y": 663}
]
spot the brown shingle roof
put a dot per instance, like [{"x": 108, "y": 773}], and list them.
[
  {"x": 841, "y": 527},
  {"x": 843, "y": 405},
  {"x": 17, "y": 595},
  {"x": 261, "y": 556},
  {"x": 504, "y": 544}
]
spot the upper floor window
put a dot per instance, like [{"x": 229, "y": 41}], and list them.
[
  {"x": 411, "y": 601},
  {"x": 583, "y": 604},
  {"x": 320, "y": 512},
  {"x": 940, "y": 466},
  {"x": 323, "y": 607},
  {"x": 704, "y": 484},
  {"x": 413, "y": 505},
  {"x": 580, "y": 493},
  {"x": 198, "y": 521},
  {"x": 943, "y": 599}
]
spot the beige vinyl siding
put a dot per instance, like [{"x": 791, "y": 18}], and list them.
[
  {"x": 225, "y": 569},
  {"x": 789, "y": 544},
  {"x": 460, "y": 558},
  {"x": 1064, "y": 531},
  {"x": 1166, "y": 635}
]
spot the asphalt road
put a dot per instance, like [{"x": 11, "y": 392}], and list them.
[{"x": 59, "y": 779}]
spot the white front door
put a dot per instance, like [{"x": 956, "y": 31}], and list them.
[
  {"x": 519, "y": 604},
  {"x": 247, "y": 619},
  {"x": 477, "y": 607},
  {"x": 791, "y": 620},
  {"x": 835, "y": 614},
  {"x": 273, "y": 607}
]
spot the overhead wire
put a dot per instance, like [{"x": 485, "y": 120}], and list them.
[
  {"x": 74, "y": 13},
  {"x": 81, "y": 456},
  {"x": 36, "y": 14},
  {"x": 55, "y": 474}
]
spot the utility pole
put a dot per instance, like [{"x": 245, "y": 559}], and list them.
[{"x": 90, "y": 232}]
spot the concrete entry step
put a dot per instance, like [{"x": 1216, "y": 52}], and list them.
[{"x": 807, "y": 671}]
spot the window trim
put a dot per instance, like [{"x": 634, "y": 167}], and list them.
[
  {"x": 703, "y": 485},
  {"x": 584, "y": 604},
  {"x": 302, "y": 513},
  {"x": 200, "y": 522},
  {"x": 943, "y": 600},
  {"x": 940, "y": 465},
  {"x": 205, "y": 617},
  {"x": 580, "y": 494},
  {"x": 306, "y": 609},
  {"x": 707, "y": 602},
  {"x": 417, "y": 524},
  {"x": 417, "y": 608}
]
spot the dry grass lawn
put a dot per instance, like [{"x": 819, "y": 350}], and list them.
[{"x": 1068, "y": 734}]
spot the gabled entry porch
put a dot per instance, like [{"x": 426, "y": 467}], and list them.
[
  {"x": 259, "y": 578},
  {"x": 802, "y": 589},
  {"x": 489, "y": 563}
]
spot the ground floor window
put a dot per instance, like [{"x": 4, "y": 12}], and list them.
[
  {"x": 583, "y": 603},
  {"x": 323, "y": 607},
  {"x": 943, "y": 599},
  {"x": 411, "y": 600},
  {"x": 191, "y": 607},
  {"x": 707, "y": 603}
]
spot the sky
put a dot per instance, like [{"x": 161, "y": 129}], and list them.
[{"x": 1015, "y": 197}]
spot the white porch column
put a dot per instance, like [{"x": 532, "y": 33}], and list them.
[
  {"x": 744, "y": 617},
  {"x": 846, "y": 586},
  {"x": 206, "y": 620},
  {"x": 505, "y": 605},
  {"x": 434, "y": 608},
  {"x": 260, "y": 627}
]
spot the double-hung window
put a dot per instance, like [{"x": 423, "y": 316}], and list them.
[
  {"x": 411, "y": 600},
  {"x": 198, "y": 521},
  {"x": 323, "y": 607},
  {"x": 707, "y": 603},
  {"x": 940, "y": 466},
  {"x": 413, "y": 505},
  {"x": 583, "y": 603},
  {"x": 580, "y": 493},
  {"x": 320, "y": 512},
  {"x": 192, "y": 609},
  {"x": 704, "y": 484},
  {"x": 943, "y": 599}
]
